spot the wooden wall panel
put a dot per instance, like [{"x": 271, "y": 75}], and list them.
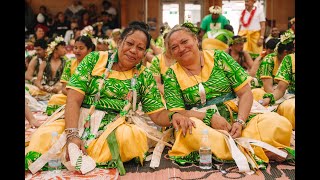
[{"x": 280, "y": 11}]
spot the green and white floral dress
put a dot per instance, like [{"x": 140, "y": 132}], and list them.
[
  {"x": 221, "y": 77},
  {"x": 130, "y": 141}
]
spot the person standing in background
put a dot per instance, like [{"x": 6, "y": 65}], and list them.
[
  {"x": 215, "y": 20},
  {"x": 252, "y": 26}
]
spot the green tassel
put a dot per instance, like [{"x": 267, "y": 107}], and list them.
[
  {"x": 114, "y": 149},
  {"x": 291, "y": 152}
]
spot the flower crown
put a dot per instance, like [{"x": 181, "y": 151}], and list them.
[
  {"x": 53, "y": 44},
  {"x": 103, "y": 41},
  {"x": 238, "y": 40},
  {"x": 87, "y": 31},
  {"x": 97, "y": 23},
  {"x": 287, "y": 37},
  {"x": 218, "y": 10}
]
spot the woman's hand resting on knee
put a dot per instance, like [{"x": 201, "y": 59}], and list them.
[{"x": 219, "y": 122}]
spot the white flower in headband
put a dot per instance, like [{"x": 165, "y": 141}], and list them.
[
  {"x": 53, "y": 44},
  {"x": 97, "y": 23},
  {"x": 103, "y": 41},
  {"x": 287, "y": 37},
  {"x": 87, "y": 31},
  {"x": 215, "y": 10}
]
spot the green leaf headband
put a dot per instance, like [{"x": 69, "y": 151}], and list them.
[
  {"x": 238, "y": 40},
  {"x": 191, "y": 26}
]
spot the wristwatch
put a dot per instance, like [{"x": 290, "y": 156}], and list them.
[{"x": 240, "y": 121}]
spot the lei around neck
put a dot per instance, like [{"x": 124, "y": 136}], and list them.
[{"x": 246, "y": 24}]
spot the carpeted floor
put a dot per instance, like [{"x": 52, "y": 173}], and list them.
[{"x": 168, "y": 170}]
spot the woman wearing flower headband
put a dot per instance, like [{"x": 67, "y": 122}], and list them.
[
  {"x": 202, "y": 85},
  {"x": 50, "y": 70},
  {"x": 83, "y": 46},
  {"x": 285, "y": 78},
  {"x": 252, "y": 25},
  {"x": 270, "y": 65},
  {"x": 101, "y": 93},
  {"x": 102, "y": 44}
]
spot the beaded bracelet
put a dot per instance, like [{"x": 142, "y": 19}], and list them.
[
  {"x": 240, "y": 121},
  {"x": 72, "y": 135},
  {"x": 71, "y": 130},
  {"x": 208, "y": 117},
  {"x": 269, "y": 95}
]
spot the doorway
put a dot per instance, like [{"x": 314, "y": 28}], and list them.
[{"x": 180, "y": 11}]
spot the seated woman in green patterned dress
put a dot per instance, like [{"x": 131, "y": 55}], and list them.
[
  {"x": 270, "y": 65},
  {"x": 100, "y": 93},
  {"x": 160, "y": 64},
  {"x": 286, "y": 81},
  {"x": 210, "y": 80},
  {"x": 83, "y": 46},
  {"x": 216, "y": 39}
]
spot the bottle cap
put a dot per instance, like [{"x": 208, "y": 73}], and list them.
[
  {"x": 205, "y": 131},
  {"x": 54, "y": 133}
]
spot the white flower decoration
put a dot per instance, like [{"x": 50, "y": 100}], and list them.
[
  {"x": 53, "y": 44},
  {"x": 215, "y": 10},
  {"x": 287, "y": 37},
  {"x": 103, "y": 41},
  {"x": 87, "y": 31}
]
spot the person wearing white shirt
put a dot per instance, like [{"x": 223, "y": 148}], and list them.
[{"x": 252, "y": 26}]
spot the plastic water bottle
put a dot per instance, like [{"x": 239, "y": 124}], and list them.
[
  {"x": 54, "y": 164},
  {"x": 205, "y": 151}
]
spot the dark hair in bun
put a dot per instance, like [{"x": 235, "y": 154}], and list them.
[{"x": 137, "y": 26}]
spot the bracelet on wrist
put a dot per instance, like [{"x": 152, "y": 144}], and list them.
[
  {"x": 240, "y": 121},
  {"x": 208, "y": 117},
  {"x": 269, "y": 95},
  {"x": 170, "y": 115},
  {"x": 71, "y": 130},
  {"x": 69, "y": 138}
]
